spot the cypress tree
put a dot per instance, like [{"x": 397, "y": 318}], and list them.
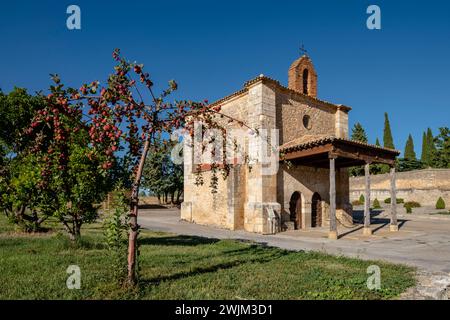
[
  {"x": 358, "y": 133},
  {"x": 424, "y": 157},
  {"x": 409, "y": 154},
  {"x": 431, "y": 147},
  {"x": 387, "y": 134}
]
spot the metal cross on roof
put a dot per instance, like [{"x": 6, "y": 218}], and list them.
[{"x": 303, "y": 51}]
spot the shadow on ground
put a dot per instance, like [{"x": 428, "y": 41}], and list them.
[
  {"x": 254, "y": 253},
  {"x": 377, "y": 223},
  {"x": 152, "y": 206},
  {"x": 177, "y": 241}
]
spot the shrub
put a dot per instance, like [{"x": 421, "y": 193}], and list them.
[
  {"x": 399, "y": 200},
  {"x": 115, "y": 234},
  {"x": 412, "y": 204},
  {"x": 440, "y": 204},
  {"x": 361, "y": 199},
  {"x": 376, "y": 204},
  {"x": 356, "y": 203},
  {"x": 408, "y": 209}
]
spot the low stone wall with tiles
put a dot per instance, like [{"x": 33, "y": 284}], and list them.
[{"x": 424, "y": 186}]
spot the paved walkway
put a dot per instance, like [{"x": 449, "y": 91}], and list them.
[{"x": 422, "y": 241}]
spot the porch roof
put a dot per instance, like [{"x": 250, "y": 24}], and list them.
[{"x": 316, "y": 151}]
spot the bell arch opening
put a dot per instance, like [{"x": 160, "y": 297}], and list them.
[{"x": 305, "y": 81}]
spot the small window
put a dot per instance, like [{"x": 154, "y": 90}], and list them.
[
  {"x": 305, "y": 81},
  {"x": 307, "y": 121}
]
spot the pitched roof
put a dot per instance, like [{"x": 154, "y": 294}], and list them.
[
  {"x": 309, "y": 141},
  {"x": 262, "y": 78}
]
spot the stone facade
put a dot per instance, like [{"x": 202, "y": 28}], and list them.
[
  {"x": 253, "y": 199},
  {"x": 424, "y": 186}
]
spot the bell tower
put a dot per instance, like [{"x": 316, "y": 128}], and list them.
[{"x": 302, "y": 77}]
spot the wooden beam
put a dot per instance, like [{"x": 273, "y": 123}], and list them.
[
  {"x": 394, "y": 225},
  {"x": 362, "y": 157},
  {"x": 367, "y": 231},
  {"x": 333, "y": 227},
  {"x": 307, "y": 152}
]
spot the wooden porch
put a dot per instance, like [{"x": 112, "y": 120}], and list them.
[{"x": 336, "y": 153}]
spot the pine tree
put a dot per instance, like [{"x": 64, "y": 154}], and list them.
[
  {"x": 440, "y": 156},
  {"x": 377, "y": 142},
  {"x": 388, "y": 141},
  {"x": 358, "y": 133},
  {"x": 425, "y": 157},
  {"x": 409, "y": 154}
]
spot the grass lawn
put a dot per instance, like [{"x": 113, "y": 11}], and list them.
[{"x": 182, "y": 267}]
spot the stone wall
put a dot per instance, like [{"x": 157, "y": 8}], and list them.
[
  {"x": 247, "y": 199},
  {"x": 225, "y": 208},
  {"x": 292, "y": 107},
  {"x": 424, "y": 186},
  {"x": 307, "y": 181}
]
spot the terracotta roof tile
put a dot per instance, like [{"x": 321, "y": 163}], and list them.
[
  {"x": 310, "y": 141},
  {"x": 280, "y": 86}
]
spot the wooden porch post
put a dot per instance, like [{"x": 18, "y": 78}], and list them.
[
  {"x": 333, "y": 228},
  {"x": 393, "y": 226},
  {"x": 367, "y": 231}
]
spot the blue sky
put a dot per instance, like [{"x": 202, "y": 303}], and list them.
[{"x": 212, "y": 47}]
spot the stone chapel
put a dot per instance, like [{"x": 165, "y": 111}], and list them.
[{"x": 311, "y": 187}]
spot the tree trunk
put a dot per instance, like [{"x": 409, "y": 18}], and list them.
[
  {"x": 159, "y": 198},
  {"x": 134, "y": 227},
  {"x": 179, "y": 193},
  {"x": 74, "y": 231},
  {"x": 172, "y": 197}
]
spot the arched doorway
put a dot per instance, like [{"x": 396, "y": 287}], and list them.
[
  {"x": 295, "y": 209},
  {"x": 316, "y": 210}
]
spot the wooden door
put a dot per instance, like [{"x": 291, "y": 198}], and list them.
[
  {"x": 295, "y": 209},
  {"x": 316, "y": 210}
]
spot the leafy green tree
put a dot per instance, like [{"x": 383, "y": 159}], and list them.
[
  {"x": 153, "y": 173},
  {"x": 21, "y": 197},
  {"x": 73, "y": 177},
  {"x": 440, "y": 154},
  {"x": 425, "y": 157},
  {"x": 409, "y": 153},
  {"x": 404, "y": 164},
  {"x": 388, "y": 141},
  {"x": 77, "y": 189},
  {"x": 19, "y": 171},
  {"x": 161, "y": 176},
  {"x": 17, "y": 110}
]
